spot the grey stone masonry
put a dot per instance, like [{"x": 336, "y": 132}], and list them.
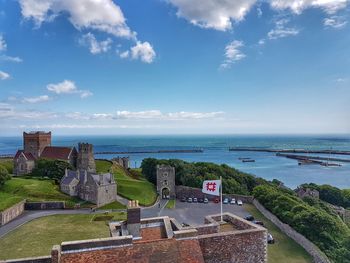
[
  {"x": 86, "y": 160},
  {"x": 166, "y": 181}
]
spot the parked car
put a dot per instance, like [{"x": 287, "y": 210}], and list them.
[
  {"x": 189, "y": 200},
  {"x": 206, "y": 200},
  {"x": 239, "y": 202},
  {"x": 270, "y": 239},
  {"x": 258, "y": 222},
  {"x": 233, "y": 201},
  {"x": 216, "y": 200},
  {"x": 195, "y": 200},
  {"x": 225, "y": 201},
  {"x": 200, "y": 200},
  {"x": 249, "y": 217},
  {"x": 183, "y": 199}
]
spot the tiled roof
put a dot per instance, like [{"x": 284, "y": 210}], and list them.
[
  {"x": 54, "y": 152},
  {"x": 106, "y": 178},
  {"x": 29, "y": 156},
  {"x": 71, "y": 175}
]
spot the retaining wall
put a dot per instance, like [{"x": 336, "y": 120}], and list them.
[
  {"x": 311, "y": 248},
  {"x": 11, "y": 213},
  {"x": 50, "y": 205}
]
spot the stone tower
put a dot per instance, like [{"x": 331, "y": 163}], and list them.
[
  {"x": 86, "y": 160},
  {"x": 166, "y": 181},
  {"x": 35, "y": 142}
]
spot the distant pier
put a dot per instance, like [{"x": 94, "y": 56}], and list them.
[
  {"x": 252, "y": 149},
  {"x": 304, "y": 157},
  {"x": 158, "y": 151}
]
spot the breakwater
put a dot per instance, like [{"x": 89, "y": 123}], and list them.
[
  {"x": 252, "y": 149},
  {"x": 303, "y": 157},
  {"x": 158, "y": 151}
]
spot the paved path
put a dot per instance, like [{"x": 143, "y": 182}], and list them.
[{"x": 28, "y": 216}]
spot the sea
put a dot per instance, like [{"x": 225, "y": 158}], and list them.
[{"x": 216, "y": 149}]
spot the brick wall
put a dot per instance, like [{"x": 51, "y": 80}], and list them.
[
  {"x": 11, "y": 213},
  {"x": 312, "y": 249},
  {"x": 247, "y": 246},
  {"x": 165, "y": 251}
]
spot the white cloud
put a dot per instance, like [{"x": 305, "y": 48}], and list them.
[
  {"x": 3, "y": 45},
  {"x": 10, "y": 59},
  {"x": 39, "y": 99},
  {"x": 216, "y": 14},
  {"x": 281, "y": 30},
  {"x": 7, "y": 111},
  {"x": 341, "y": 80},
  {"x": 143, "y": 51},
  {"x": 297, "y": 6},
  {"x": 262, "y": 41},
  {"x": 68, "y": 87},
  {"x": 96, "y": 47},
  {"x": 232, "y": 54},
  {"x": 336, "y": 22},
  {"x": 4, "y": 75},
  {"x": 157, "y": 114},
  {"x": 124, "y": 54},
  {"x": 102, "y": 15}
]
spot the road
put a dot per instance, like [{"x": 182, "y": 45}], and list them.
[{"x": 192, "y": 213}]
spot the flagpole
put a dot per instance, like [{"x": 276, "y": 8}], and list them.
[{"x": 221, "y": 197}]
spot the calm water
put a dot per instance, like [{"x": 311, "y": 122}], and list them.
[{"x": 215, "y": 148}]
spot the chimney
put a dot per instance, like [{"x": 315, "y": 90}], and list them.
[{"x": 134, "y": 219}]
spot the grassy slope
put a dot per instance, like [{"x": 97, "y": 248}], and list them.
[
  {"x": 171, "y": 204},
  {"x": 32, "y": 190},
  {"x": 37, "y": 237},
  {"x": 285, "y": 249},
  {"x": 128, "y": 187}
]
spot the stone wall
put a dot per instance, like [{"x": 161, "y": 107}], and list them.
[
  {"x": 49, "y": 205},
  {"x": 313, "y": 250},
  {"x": 185, "y": 191},
  {"x": 11, "y": 213}
]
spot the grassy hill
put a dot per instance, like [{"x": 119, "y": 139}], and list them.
[
  {"x": 19, "y": 188},
  {"x": 131, "y": 185}
]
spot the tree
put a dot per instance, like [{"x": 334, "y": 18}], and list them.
[
  {"x": 53, "y": 169},
  {"x": 4, "y": 175}
]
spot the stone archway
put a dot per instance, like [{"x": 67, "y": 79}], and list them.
[{"x": 165, "y": 193}]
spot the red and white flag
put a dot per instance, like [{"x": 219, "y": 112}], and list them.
[{"x": 211, "y": 187}]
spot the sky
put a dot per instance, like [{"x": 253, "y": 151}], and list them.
[{"x": 109, "y": 67}]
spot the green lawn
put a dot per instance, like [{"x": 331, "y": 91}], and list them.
[
  {"x": 114, "y": 205},
  {"x": 103, "y": 166},
  {"x": 129, "y": 187},
  {"x": 8, "y": 164},
  {"x": 37, "y": 237},
  {"x": 171, "y": 204},
  {"x": 33, "y": 190},
  {"x": 285, "y": 249},
  {"x": 8, "y": 200}
]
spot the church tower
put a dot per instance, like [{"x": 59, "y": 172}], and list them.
[{"x": 86, "y": 160}]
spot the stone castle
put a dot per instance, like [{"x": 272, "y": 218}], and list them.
[
  {"x": 164, "y": 239},
  {"x": 99, "y": 189},
  {"x": 38, "y": 145},
  {"x": 166, "y": 181}
]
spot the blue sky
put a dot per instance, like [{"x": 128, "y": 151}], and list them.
[{"x": 175, "y": 66}]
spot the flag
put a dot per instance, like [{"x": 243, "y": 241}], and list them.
[{"x": 211, "y": 187}]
